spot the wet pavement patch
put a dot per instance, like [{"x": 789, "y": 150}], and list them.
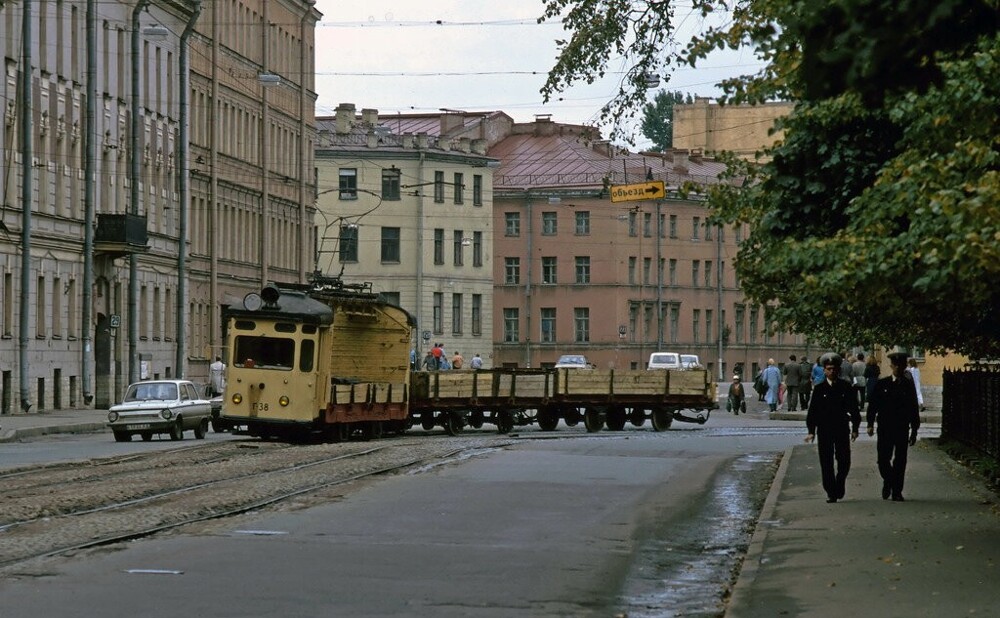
[{"x": 690, "y": 569}]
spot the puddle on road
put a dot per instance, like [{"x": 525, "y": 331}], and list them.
[{"x": 690, "y": 572}]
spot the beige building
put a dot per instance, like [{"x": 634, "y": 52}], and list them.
[
  {"x": 578, "y": 273},
  {"x": 83, "y": 313},
  {"x": 710, "y": 128},
  {"x": 406, "y": 202}
]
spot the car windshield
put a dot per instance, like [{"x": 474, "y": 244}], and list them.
[{"x": 164, "y": 391}]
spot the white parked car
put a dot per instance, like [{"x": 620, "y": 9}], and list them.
[
  {"x": 160, "y": 407},
  {"x": 573, "y": 361},
  {"x": 664, "y": 360}
]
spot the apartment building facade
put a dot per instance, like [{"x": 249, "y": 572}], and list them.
[
  {"x": 129, "y": 197},
  {"x": 405, "y": 202},
  {"x": 744, "y": 130},
  {"x": 578, "y": 273}
]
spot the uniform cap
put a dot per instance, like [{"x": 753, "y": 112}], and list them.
[{"x": 831, "y": 358}]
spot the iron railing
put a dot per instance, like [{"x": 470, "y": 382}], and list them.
[{"x": 970, "y": 408}]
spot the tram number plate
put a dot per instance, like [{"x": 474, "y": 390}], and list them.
[{"x": 137, "y": 427}]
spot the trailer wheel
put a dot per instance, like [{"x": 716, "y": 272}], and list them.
[
  {"x": 662, "y": 419},
  {"x": 637, "y": 417},
  {"x": 476, "y": 419},
  {"x": 427, "y": 420},
  {"x": 616, "y": 419},
  {"x": 547, "y": 419},
  {"x": 504, "y": 421},
  {"x": 593, "y": 419},
  {"x": 453, "y": 423},
  {"x": 572, "y": 416}
]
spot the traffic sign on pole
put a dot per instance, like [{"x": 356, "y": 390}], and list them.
[{"x": 652, "y": 190}]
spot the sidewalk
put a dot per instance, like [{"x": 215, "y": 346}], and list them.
[
  {"x": 934, "y": 555},
  {"x": 14, "y": 427}
]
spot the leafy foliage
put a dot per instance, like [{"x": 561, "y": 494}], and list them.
[
  {"x": 658, "y": 118},
  {"x": 877, "y": 219}
]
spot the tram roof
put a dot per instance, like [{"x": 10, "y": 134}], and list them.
[{"x": 291, "y": 305}]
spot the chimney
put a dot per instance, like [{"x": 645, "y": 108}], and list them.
[
  {"x": 464, "y": 144},
  {"x": 407, "y": 140},
  {"x": 372, "y": 139},
  {"x": 421, "y": 141},
  {"x": 478, "y": 146},
  {"x": 450, "y": 122},
  {"x": 681, "y": 161},
  {"x": 344, "y": 118},
  {"x": 544, "y": 125},
  {"x": 369, "y": 117}
]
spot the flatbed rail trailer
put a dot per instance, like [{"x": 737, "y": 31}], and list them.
[{"x": 599, "y": 398}]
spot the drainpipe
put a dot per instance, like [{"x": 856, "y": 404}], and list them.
[
  {"x": 420, "y": 258},
  {"x": 265, "y": 146},
  {"x": 89, "y": 199},
  {"x": 214, "y": 226},
  {"x": 134, "y": 170},
  {"x": 27, "y": 155},
  {"x": 527, "y": 282},
  {"x": 183, "y": 162}
]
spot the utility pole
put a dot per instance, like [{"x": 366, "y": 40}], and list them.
[{"x": 27, "y": 159}]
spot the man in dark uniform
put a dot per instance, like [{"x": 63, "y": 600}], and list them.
[
  {"x": 894, "y": 405},
  {"x": 833, "y": 416}
]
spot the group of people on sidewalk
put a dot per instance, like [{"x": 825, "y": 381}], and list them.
[
  {"x": 436, "y": 359},
  {"x": 834, "y": 418}
]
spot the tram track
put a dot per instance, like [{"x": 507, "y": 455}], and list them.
[{"x": 111, "y": 521}]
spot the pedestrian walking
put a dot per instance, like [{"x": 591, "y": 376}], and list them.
[
  {"x": 217, "y": 376},
  {"x": 872, "y": 373},
  {"x": 806, "y": 385},
  {"x": 817, "y": 372},
  {"x": 736, "y": 401},
  {"x": 859, "y": 380},
  {"x": 430, "y": 361},
  {"x": 793, "y": 381},
  {"x": 894, "y": 407},
  {"x": 772, "y": 378},
  {"x": 834, "y": 419}
]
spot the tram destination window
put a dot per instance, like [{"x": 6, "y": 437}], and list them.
[{"x": 264, "y": 352}]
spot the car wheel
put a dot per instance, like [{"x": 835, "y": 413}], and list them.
[
  {"x": 177, "y": 431},
  {"x": 201, "y": 430},
  {"x": 123, "y": 436}
]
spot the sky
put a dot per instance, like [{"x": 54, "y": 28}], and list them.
[{"x": 471, "y": 55}]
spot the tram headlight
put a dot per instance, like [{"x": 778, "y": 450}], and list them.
[
  {"x": 283, "y": 400},
  {"x": 166, "y": 414},
  {"x": 112, "y": 417},
  {"x": 237, "y": 398}
]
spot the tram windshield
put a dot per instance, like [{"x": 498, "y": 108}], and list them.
[{"x": 264, "y": 352}]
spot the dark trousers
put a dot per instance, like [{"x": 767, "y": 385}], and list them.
[
  {"x": 804, "y": 392},
  {"x": 892, "y": 447},
  {"x": 834, "y": 444},
  {"x": 862, "y": 392},
  {"x": 791, "y": 397}
]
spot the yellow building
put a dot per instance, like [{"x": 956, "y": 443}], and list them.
[{"x": 741, "y": 129}]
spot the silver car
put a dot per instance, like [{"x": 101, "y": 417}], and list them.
[{"x": 160, "y": 407}]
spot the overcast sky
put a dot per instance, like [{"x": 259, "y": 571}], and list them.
[{"x": 394, "y": 56}]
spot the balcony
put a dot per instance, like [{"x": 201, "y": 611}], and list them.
[{"x": 120, "y": 235}]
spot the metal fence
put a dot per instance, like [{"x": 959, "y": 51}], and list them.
[{"x": 970, "y": 408}]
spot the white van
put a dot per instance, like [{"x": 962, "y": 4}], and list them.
[{"x": 664, "y": 360}]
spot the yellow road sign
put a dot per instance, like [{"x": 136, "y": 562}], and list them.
[{"x": 652, "y": 190}]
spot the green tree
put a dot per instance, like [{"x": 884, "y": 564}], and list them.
[
  {"x": 877, "y": 218},
  {"x": 658, "y": 118}
]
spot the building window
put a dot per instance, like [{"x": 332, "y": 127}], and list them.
[
  {"x": 438, "y": 246},
  {"x": 548, "y": 324},
  {"x": 661, "y": 226},
  {"x": 477, "y": 314},
  {"x": 40, "y": 312},
  {"x": 512, "y": 224},
  {"x": 549, "y": 270},
  {"x": 511, "y": 324},
  {"x": 631, "y": 269},
  {"x": 695, "y": 228},
  {"x": 675, "y": 315},
  {"x": 583, "y": 223},
  {"x": 696, "y": 325},
  {"x": 477, "y": 190},
  {"x": 456, "y": 314},
  {"x": 390, "y": 184},
  {"x": 708, "y": 273},
  {"x": 437, "y": 312},
  {"x": 754, "y": 327},
  {"x": 581, "y": 324},
  {"x": 439, "y": 187},
  {"x": 348, "y": 184},
  {"x": 673, "y": 226},
  {"x": 647, "y": 265},
  {"x": 740, "y": 310},
  {"x": 738, "y": 232},
  {"x": 549, "y": 224},
  {"x": 708, "y": 325},
  {"x": 673, "y": 271},
  {"x": 512, "y": 270},
  {"x": 695, "y": 272},
  {"x": 390, "y": 297},
  {"x": 647, "y": 224},
  {"x": 390, "y": 244},
  {"x": 583, "y": 269},
  {"x": 456, "y": 248},
  {"x": 633, "y": 225},
  {"x": 459, "y": 187},
  {"x": 348, "y": 243},
  {"x": 647, "y": 322},
  {"x": 477, "y": 249},
  {"x": 708, "y": 230}
]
